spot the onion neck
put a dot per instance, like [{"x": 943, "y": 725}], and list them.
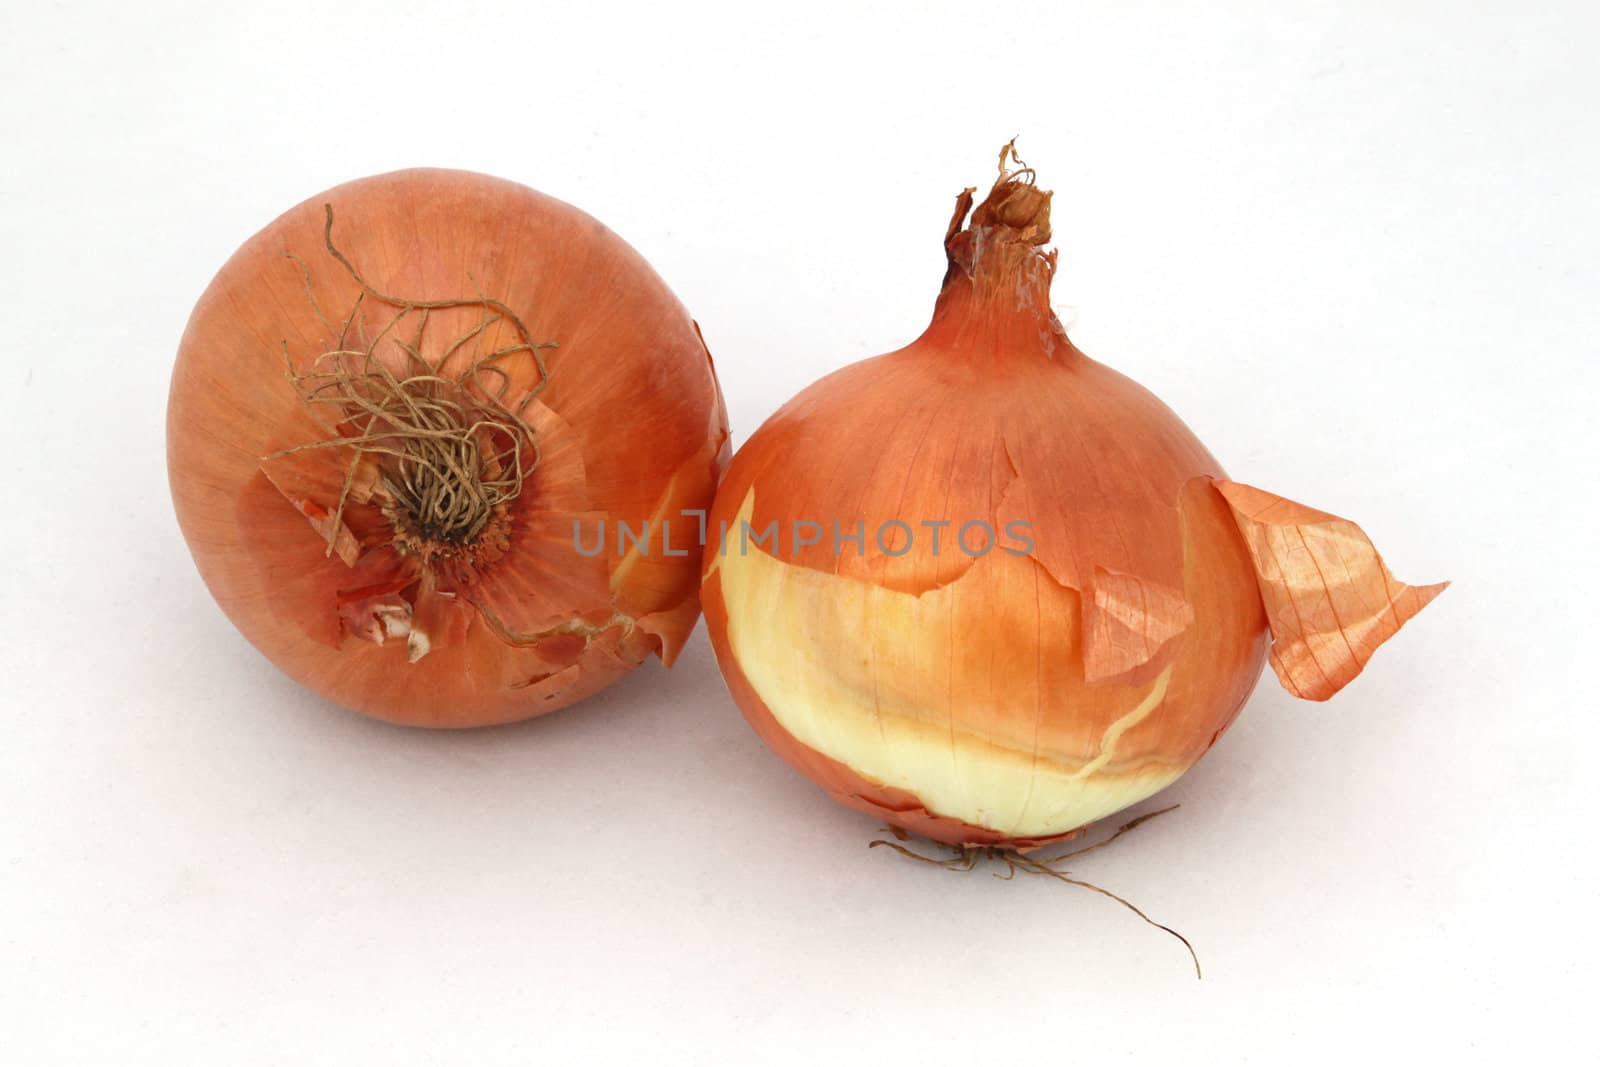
[{"x": 995, "y": 302}]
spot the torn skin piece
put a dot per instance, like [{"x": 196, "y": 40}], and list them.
[
  {"x": 1127, "y": 621},
  {"x": 313, "y": 485},
  {"x": 1330, "y": 600}
]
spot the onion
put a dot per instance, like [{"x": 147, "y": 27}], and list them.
[
  {"x": 391, "y": 410},
  {"x": 990, "y": 591}
]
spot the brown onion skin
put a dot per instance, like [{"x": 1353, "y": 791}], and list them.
[
  {"x": 635, "y": 402},
  {"x": 992, "y": 397}
]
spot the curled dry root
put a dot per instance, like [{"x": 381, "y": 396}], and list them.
[
  {"x": 965, "y": 858},
  {"x": 456, "y": 450}
]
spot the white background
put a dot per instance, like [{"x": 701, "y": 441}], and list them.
[{"x": 1354, "y": 246}]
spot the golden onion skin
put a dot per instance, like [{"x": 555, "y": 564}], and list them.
[
  {"x": 629, "y": 423},
  {"x": 1012, "y": 696}
]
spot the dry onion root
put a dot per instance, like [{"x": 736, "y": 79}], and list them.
[
  {"x": 393, "y": 410},
  {"x": 1111, "y": 629}
]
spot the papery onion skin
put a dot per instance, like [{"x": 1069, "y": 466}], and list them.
[
  {"x": 1003, "y": 698},
  {"x": 630, "y": 427}
]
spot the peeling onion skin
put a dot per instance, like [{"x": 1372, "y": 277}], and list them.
[
  {"x": 999, "y": 698},
  {"x": 514, "y": 622}
]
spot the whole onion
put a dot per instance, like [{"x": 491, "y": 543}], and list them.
[
  {"x": 989, "y": 590},
  {"x": 390, "y": 411}
]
